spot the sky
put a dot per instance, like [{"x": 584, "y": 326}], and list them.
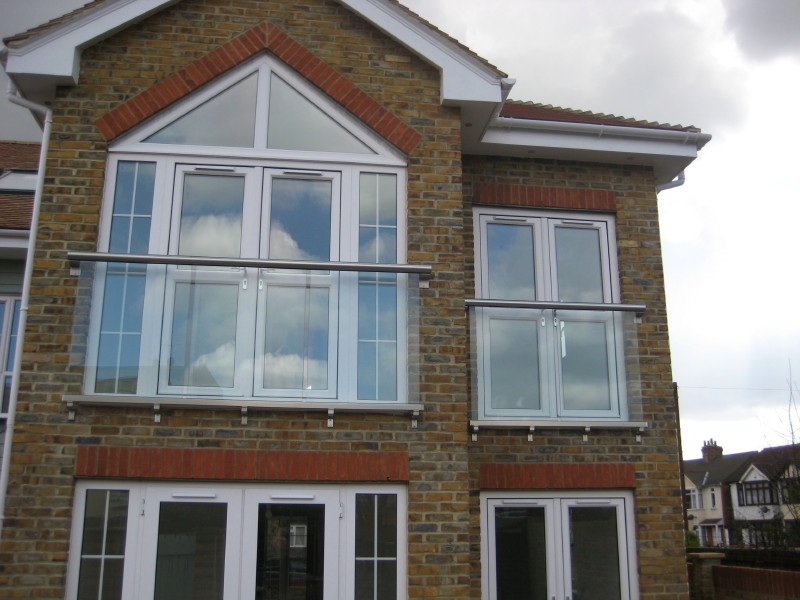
[{"x": 729, "y": 234}]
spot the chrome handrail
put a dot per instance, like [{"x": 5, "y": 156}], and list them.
[
  {"x": 74, "y": 258},
  {"x": 639, "y": 309}
]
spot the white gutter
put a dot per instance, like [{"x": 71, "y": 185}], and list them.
[
  {"x": 47, "y": 113},
  {"x": 677, "y": 182},
  {"x": 695, "y": 138}
]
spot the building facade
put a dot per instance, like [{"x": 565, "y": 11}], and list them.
[{"x": 317, "y": 312}]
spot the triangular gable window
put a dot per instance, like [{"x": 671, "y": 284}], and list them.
[{"x": 262, "y": 110}]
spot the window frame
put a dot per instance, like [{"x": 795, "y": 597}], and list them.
[
  {"x": 556, "y": 510},
  {"x": 241, "y": 537},
  {"x": 543, "y": 225}
]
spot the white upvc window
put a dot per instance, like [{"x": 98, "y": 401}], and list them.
[
  {"x": 167, "y": 541},
  {"x": 9, "y": 322},
  {"x": 545, "y": 362},
  {"x": 543, "y": 546},
  {"x": 259, "y": 166}
]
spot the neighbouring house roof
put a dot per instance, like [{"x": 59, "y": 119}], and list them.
[
  {"x": 723, "y": 469},
  {"x": 48, "y": 56},
  {"x": 18, "y": 164},
  {"x": 773, "y": 462}
]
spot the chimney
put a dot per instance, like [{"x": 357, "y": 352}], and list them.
[{"x": 711, "y": 451}]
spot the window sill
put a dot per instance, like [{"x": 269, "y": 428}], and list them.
[
  {"x": 244, "y": 406},
  {"x": 586, "y": 426}
]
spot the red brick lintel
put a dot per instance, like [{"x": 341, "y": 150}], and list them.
[
  {"x": 534, "y": 196},
  {"x": 262, "y": 37},
  {"x": 561, "y": 476},
  {"x": 239, "y": 465}
]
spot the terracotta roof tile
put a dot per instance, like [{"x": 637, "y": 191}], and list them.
[
  {"x": 15, "y": 211},
  {"x": 19, "y": 155},
  {"x": 545, "y": 112},
  {"x": 33, "y": 32}
]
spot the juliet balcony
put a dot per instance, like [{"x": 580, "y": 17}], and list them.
[{"x": 246, "y": 333}]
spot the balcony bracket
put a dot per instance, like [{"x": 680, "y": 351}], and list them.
[
  {"x": 638, "y": 432},
  {"x": 330, "y": 418},
  {"x": 586, "y": 431},
  {"x": 475, "y": 433},
  {"x": 70, "y": 410},
  {"x": 156, "y": 413},
  {"x": 530, "y": 433},
  {"x": 244, "y": 415},
  {"x": 414, "y": 419}
]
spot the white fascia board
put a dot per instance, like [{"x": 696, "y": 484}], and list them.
[
  {"x": 597, "y": 138},
  {"x": 55, "y": 55},
  {"x": 13, "y": 242}
]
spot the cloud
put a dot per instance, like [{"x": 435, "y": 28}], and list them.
[{"x": 765, "y": 30}]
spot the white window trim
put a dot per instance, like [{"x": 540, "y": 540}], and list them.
[
  {"x": 243, "y": 502},
  {"x": 556, "y": 529}
]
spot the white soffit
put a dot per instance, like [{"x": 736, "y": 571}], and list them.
[{"x": 52, "y": 58}]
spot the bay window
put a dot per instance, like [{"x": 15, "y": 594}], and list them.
[{"x": 251, "y": 229}]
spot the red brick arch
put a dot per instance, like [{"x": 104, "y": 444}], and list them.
[{"x": 262, "y": 37}]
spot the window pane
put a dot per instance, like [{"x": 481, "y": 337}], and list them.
[
  {"x": 211, "y": 215},
  {"x": 594, "y": 552},
  {"x": 297, "y": 124},
  {"x": 203, "y": 349},
  {"x": 521, "y": 553},
  {"x": 584, "y": 366},
  {"x": 228, "y": 119},
  {"x": 578, "y": 259},
  {"x": 296, "y": 340},
  {"x": 103, "y": 546},
  {"x": 510, "y": 262},
  {"x": 376, "y": 546},
  {"x": 514, "y": 363},
  {"x": 133, "y": 204},
  {"x": 377, "y": 335},
  {"x": 300, "y": 219},
  {"x": 287, "y": 571},
  {"x": 12, "y": 339},
  {"x": 190, "y": 559},
  {"x": 378, "y": 218}
]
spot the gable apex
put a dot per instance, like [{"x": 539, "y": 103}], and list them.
[{"x": 39, "y": 62}]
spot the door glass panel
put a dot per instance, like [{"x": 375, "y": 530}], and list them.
[
  {"x": 514, "y": 363},
  {"x": 594, "y": 553},
  {"x": 290, "y": 552},
  {"x": 228, "y": 119},
  {"x": 300, "y": 219},
  {"x": 521, "y": 553},
  {"x": 376, "y": 547},
  {"x": 584, "y": 365},
  {"x": 579, "y": 266},
  {"x": 211, "y": 215},
  {"x": 297, "y": 124},
  {"x": 510, "y": 257},
  {"x": 190, "y": 560},
  {"x": 203, "y": 347},
  {"x": 296, "y": 340},
  {"x": 102, "y": 553}
]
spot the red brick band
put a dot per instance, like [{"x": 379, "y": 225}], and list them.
[
  {"x": 534, "y": 196},
  {"x": 239, "y": 465},
  {"x": 264, "y": 36},
  {"x": 561, "y": 476}
]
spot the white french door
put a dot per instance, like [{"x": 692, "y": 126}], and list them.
[
  {"x": 227, "y": 542},
  {"x": 563, "y": 548}
]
